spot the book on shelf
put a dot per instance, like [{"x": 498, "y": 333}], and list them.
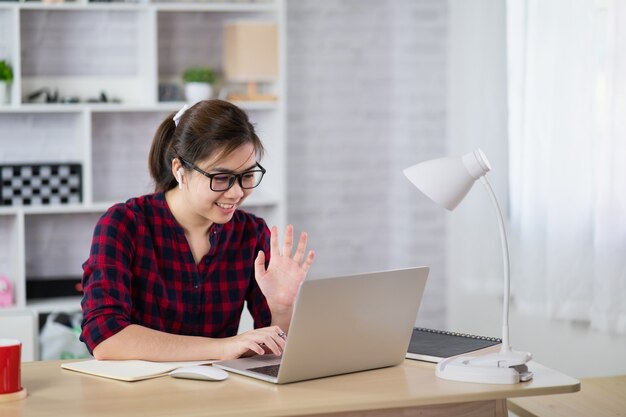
[
  {"x": 435, "y": 345},
  {"x": 127, "y": 370}
]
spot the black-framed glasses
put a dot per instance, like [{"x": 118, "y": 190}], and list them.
[{"x": 223, "y": 181}]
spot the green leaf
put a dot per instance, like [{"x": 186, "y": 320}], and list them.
[
  {"x": 6, "y": 73},
  {"x": 199, "y": 75}
]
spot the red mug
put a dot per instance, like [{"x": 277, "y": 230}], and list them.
[{"x": 10, "y": 360}]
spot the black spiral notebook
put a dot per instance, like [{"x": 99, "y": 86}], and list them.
[{"x": 434, "y": 345}]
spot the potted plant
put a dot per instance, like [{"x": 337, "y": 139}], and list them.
[
  {"x": 6, "y": 77},
  {"x": 199, "y": 83}
]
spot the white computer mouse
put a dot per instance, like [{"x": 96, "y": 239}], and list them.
[{"x": 200, "y": 372}]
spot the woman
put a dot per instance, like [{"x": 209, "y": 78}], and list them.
[{"x": 169, "y": 272}]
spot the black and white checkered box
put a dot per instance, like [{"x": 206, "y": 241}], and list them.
[{"x": 40, "y": 184}]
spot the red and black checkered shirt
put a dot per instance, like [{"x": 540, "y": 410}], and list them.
[{"x": 141, "y": 271}]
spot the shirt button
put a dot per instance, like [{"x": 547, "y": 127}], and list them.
[
  {"x": 206, "y": 261},
  {"x": 196, "y": 285}
]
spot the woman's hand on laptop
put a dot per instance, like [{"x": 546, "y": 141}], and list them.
[
  {"x": 282, "y": 278},
  {"x": 258, "y": 341}
]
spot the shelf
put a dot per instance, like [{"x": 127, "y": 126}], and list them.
[
  {"x": 216, "y": 7},
  {"x": 56, "y": 209},
  {"x": 9, "y": 211},
  {"x": 172, "y": 106},
  {"x": 131, "y": 51},
  {"x": 66, "y": 304},
  {"x": 121, "y": 6},
  {"x": 43, "y": 108},
  {"x": 255, "y": 200},
  {"x": 121, "y": 107}
]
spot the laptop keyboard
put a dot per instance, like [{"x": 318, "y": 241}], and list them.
[{"x": 271, "y": 370}]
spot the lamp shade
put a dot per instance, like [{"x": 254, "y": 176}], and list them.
[{"x": 447, "y": 181}]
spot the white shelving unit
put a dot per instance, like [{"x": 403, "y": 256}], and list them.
[{"x": 125, "y": 50}]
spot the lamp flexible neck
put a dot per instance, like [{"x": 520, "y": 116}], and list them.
[{"x": 506, "y": 347}]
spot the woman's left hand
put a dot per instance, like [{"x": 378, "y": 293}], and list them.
[{"x": 282, "y": 278}]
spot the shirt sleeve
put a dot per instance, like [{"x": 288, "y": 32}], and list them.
[
  {"x": 106, "y": 302},
  {"x": 257, "y": 304}
]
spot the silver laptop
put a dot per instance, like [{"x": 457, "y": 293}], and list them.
[{"x": 341, "y": 325}]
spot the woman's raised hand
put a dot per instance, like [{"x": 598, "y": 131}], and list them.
[{"x": 282, "y": 278}]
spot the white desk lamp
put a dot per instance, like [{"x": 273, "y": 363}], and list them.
[{"x": 447, "y": 181}]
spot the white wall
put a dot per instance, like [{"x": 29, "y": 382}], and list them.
[
  {"x": 366, "y": 98},
  {"x": 476, "y": 117}
]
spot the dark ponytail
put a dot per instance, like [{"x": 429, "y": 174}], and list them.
[
  {"x": 160, "y": 156},
  {"x": 209, "y": 128}
]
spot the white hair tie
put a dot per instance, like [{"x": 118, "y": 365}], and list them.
[{"x": 180, "y": 113}]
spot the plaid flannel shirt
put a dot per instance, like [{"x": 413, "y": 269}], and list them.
[{"x": 141, "y": 271}]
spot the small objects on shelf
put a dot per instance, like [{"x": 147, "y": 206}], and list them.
[
  {"x": 169, "y": 92},
  {"x": 40, "y": 184},
  {"x": 38, "y": 288},
  {"x": 103, "y": 98},
  {"x": 6, "y": 292},
  {"x": 47, "y": 95},
  {"x": 6, "y": 78},
  {"x": 199, "y": 83}
]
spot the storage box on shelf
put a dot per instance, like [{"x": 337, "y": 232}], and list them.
[{"x": 86, "y": 90}]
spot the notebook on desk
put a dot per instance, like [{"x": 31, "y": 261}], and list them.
[{"x": 342, "y": 325}]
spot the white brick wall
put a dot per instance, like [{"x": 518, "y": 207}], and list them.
[
  {"x": 106, "y": 41},
  {"x": 366, "y": 98}
]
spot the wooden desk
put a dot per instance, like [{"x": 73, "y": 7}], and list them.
[
  {"x": 410, "y": 389},
  {"x": 599, "y": 397}
]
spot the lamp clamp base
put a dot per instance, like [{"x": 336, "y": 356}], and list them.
[{"x": 496, "y": 368}]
